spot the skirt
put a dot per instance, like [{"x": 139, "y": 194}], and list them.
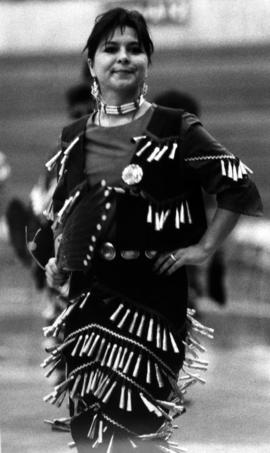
[{"x": 131, "y": 351}]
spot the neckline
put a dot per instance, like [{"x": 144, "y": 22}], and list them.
[{"x": 91, "y": 123}]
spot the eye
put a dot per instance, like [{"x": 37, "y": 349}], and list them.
[
  {"x": 135, "y": 49},
  {"x": 110, "y": 48}
]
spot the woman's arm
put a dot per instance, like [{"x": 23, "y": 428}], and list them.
[
  {"x": 219, "y": 172},
  {"x": 219, "y": 228}
]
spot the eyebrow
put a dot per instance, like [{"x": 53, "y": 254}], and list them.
[{"x": 111, "y": 41}]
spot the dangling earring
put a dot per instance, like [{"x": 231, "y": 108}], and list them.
[
  {"x": 144, "y": 89},
  {"x": 95, "y": 90}
]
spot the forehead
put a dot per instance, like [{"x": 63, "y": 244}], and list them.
[{"x": 121, "y": 34}]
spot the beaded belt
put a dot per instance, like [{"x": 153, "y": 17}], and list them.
[{"x": 108, "y": 252}]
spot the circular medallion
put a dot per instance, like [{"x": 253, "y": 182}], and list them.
[
  {"x": 107, "y": 251},
  {"x": 132, "y": 174}
]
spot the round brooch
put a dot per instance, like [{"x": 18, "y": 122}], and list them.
[{"x": 132, "y": 174}]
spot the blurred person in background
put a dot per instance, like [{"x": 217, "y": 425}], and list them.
[
  {"x": 128, "y": 216},
  {"x": 79, "y": 100},
  {"x": 79, "y": 103},
  {"x": 25, "y": 219},
  {"x": 177, "y": 99},
  {"x": 207, "y": 280}
]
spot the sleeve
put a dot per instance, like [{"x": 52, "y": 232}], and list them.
[{"x": 219, "y": 171}]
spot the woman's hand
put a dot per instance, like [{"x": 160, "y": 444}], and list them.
[
  {"x": 55, "y": 277},
  {"x": 167, "y": 263},
  {"x": 220, "y": 226}
]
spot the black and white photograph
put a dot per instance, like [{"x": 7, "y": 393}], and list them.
[{"x": 134, "y": 226}]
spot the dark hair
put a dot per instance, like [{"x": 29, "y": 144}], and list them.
[{"x": 106, "y": 24}]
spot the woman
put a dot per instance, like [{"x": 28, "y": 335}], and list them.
[{"x": 127, "y": 217}]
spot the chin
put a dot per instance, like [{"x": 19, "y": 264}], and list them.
[
  {"x": 126, "y": 87},
  {"x": 122, "y": 82}
]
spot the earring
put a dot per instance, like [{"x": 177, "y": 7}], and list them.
[
  {"x": 144, "y": 89},
  {"x": 95, "y": 89}
]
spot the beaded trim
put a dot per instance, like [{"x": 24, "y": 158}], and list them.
[
  {"x": 114, "y": 371},
  {"x": 120, "y": 337},
  {"x": 222, "y": 156}
]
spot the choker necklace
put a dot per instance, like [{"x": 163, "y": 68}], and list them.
[{"x": 121, "y": 109}]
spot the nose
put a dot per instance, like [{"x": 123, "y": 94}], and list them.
[{"x": 122, "y": 56}]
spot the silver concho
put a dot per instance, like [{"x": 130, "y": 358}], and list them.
[
  {"x": 150, "y": 254},
  {"x": 132, "y": 174},
  {"x": 107, "y": 251}
]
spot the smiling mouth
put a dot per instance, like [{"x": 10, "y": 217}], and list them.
[{"x": 123, "y": 71}]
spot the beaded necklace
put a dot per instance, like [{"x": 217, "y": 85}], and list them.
[{"x": 121, "y": 109}]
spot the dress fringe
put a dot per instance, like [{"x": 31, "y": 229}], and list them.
[{"x": 124, "y": 364}]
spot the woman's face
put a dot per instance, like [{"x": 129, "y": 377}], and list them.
[{"x": 120, "y": 65}]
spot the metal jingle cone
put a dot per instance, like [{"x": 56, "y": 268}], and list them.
[
  {"x": 110, "y": 359},
  {"x": 86, "y": 337},
  {"x": 137, "y": 366},
  {"x": 115, "y": 314},
  {"x": 173, "y": 342},
  {"x": 133, "y": 322},
  {"x": 122, "y": 397},
  {"x": 90, "y": 352},
  {"x": 91, "y": 431},
  {"x": 164, "y": 340},
  {"x": 150, "y": 330},
  {"x": 122, "y": 322},
  {"x": 140, "y": 328},
  {"x": 132, "y": 443},
  {"x": 109, "y": 449},
  {"x": 125, "y": 370},
  {"x": 106, "y": 354},
  {"x": 148, "y": 372},
  {"x": 75, "y": 386},
  {"x": 158, "y": 376},
  {"x": 106, "y": 398},
  {"x": 129, "y": 400},
  {"x": 75, "y": 349}
]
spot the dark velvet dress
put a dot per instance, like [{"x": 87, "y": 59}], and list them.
[{"x": 131, "y": 345}]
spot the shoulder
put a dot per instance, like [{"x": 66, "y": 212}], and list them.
[
  {"x": 168, "y": 111},
  {"x": 189, "y": 120},
  {"x": 165, "y": 121},
  {"x": 68, "y": 139},
  {"x": 171, "y": 121}
]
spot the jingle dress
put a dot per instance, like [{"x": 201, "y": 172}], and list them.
[{"x": 131, "y": 345}]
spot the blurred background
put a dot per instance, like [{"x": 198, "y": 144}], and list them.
[{"x": 216, "y": 52}]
